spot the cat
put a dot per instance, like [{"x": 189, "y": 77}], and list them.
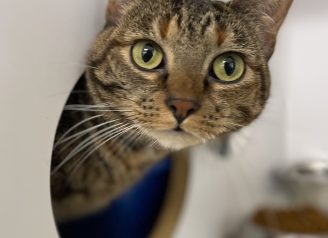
[{"x": 162, "y": 76}]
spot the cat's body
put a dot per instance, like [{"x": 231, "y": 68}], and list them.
[{"x": 163, "y": 75}]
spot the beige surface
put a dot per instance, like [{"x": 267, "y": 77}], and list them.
[{"x": 173, "y": 204}]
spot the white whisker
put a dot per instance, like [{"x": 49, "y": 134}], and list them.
[
  {"x": 134, "y": 138},
  {"x": 74, "y": 127},
  {"x": 85, "y": 143},
  {"x": 87, "y": 154},
  {"x": 94, "y": 110},
  {"x": 154, "y": 143},
  {"x": 81, "y": 133},
  {"x": 100, "y": 107},
  {"x": 87, "y": 105}
]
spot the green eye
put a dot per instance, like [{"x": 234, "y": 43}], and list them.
[
  {"x": 147, "y": 54},
  {"x": 229, "y": 67}
]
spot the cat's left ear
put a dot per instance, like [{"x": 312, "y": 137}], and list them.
[
  {"x": 268, "y": 14},
  {"x": 115, "y": 10}
]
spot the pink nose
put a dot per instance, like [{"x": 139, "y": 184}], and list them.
[{"x": 182, "y": 108}]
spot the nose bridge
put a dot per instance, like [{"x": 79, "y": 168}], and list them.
[{"x": 185, "y": 84}]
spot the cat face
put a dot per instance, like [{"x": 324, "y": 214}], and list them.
[{"x": 185, "y": 71}]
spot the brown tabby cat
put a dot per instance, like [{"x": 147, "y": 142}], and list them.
[{"x": 163, "y": 75}]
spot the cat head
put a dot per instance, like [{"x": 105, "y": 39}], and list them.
[{"x": 185, "y": 71}]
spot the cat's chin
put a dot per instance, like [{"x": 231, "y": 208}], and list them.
[{"x": 175, "y": 140}]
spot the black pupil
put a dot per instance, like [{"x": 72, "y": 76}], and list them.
[
  {"x": 229, "y": 66},
  {"x": 147, "y": 53}
]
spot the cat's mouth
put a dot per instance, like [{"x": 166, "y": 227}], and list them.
[
  {"x": 175, "y": 138},
  {"x": 179, "y": 129}
]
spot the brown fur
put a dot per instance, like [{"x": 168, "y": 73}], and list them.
[{"x": 192, "y": 34}]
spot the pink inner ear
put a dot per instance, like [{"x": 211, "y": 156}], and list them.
[
  {"x": 114, "y": 11},
  {"x": 117, "y": 5},
  {"x": 277, "y": 13},
  {"x": 271, "y": 14},
  {"x": 112, "y": 6}
]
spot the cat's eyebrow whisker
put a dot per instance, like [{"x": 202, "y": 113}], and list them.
[
  {"x": 87, "y": 154},
  {"x": 81, "y": 133},
  {"x": 74, "y": 127},
  {"x": 87, "y": 142}
]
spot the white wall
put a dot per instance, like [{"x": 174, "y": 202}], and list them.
[
  {"x": 42, "y": 43},
  {"x": 307, "y": 105}
]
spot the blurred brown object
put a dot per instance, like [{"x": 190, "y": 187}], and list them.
[{"x": 303, "y": 220}]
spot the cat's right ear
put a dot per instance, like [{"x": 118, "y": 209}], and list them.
[
  {"x": 115, "y": 10},
  {"x": 267, "y": 17}
]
